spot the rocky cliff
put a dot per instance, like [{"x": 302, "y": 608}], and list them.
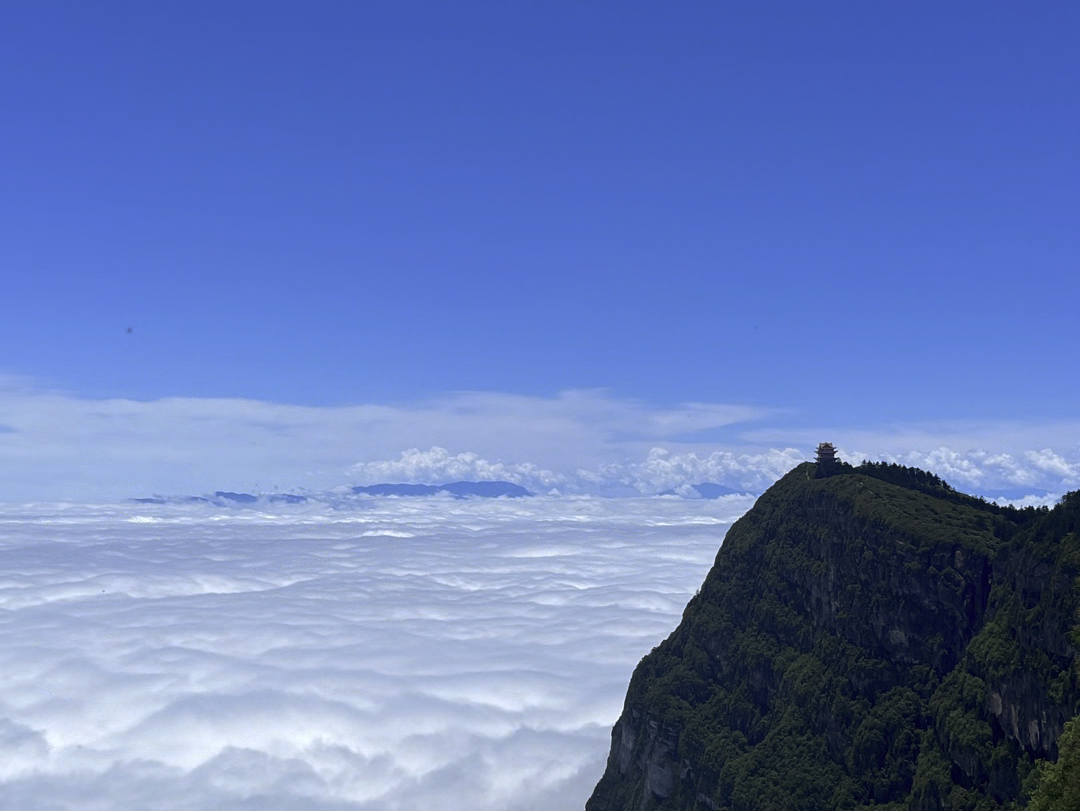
[{"x": 867, "y": 638}]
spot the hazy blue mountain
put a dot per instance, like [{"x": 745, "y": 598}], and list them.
[
  {"x": 224, "y": 498},
  {"x": 464, "y": 489},
  {"x": 286, "y": 498},
  {"x": 486, "y": 489},
  {"x": 396, "y": 489},
  {"x": 239, "y": 498},
  {"x": 461, "y": 489}
]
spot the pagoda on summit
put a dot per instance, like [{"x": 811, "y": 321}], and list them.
[{"x": 826, "y": 454}]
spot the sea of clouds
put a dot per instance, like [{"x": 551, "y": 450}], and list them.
[{"x": 398, "y": 654}]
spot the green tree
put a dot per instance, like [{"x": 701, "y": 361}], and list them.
[{"x": 1057, "y": 786}]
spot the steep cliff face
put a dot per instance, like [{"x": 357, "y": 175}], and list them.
[{"x": 859, "y": 643}]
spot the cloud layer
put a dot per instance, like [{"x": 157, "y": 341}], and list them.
[
  {"x": 405, "y": 654},
  {"x": 1011, "y": 476},
  {"x": 658, "y": 471},
  {"x": 54, "y": 446}
]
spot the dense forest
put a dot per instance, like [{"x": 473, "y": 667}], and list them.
[{"x": 868, "y": 638}]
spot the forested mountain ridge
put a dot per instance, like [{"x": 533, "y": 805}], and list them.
[{"x": 867, "y": 638}]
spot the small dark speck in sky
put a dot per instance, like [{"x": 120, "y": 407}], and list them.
[{"x": 129, "y": 330}]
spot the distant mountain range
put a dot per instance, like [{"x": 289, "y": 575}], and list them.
[
  {"x": 463, "y": 489},
  {"x": 223, "y": 496},
  {"x": 459, "y": 489}
]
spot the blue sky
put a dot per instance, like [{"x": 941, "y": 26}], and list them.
[{"x": 847, "y": 216}]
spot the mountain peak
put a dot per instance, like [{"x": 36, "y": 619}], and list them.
[{"x": 867, "y": 636}]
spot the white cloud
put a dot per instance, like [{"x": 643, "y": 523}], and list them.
[
  {"x": 1021, "y": 457},
  {"x": 54, "y": 446},
  {"x": 981, "y": 471},
  {"x": 663, "y": 469},
  {"x": 316, "y": 659},
  {"x": 438, "y": 465},
  {"x": 1053, "y": 464},
  {"x": 63, "y": 447}
]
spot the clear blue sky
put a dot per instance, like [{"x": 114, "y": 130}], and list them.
[{"x": 866, "y": 212}]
